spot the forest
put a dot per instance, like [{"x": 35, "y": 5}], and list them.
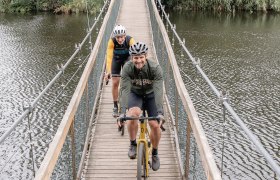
[
  {"x": 80, "y": 6},
  {"x": 225, "y": 5},
  {"x": 55, "y": 6}
]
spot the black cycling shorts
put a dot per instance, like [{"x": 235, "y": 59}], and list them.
[
  {"x": 117, "y": 66},
  {"x": 135, "y": 100}
]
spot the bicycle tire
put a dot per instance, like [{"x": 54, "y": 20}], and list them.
[
  {"x": 122, "y": 130},
  {"x": 141, "y": 161}
]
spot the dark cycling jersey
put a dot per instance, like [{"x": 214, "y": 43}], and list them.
[
  {"x": 117, "y": 54},
  {"x": 121, "y": 50},
  {"x": 142, "y": 82}
]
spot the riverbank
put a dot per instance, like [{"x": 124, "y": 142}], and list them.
[
  {"x": 224, "y": 5},
  {"x": 57, "y": 7}
]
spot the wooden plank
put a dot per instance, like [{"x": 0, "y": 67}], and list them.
[
  {"x": 122, "y": 149},
  {"x": 132, "y": 171},
  {"x": 124, "y": 163},
  {"x": 117, "y": 140},
  {"x": 127, "y": 174},
  {"x": 128, "y": 178},
  {"x": 130, "y": 165},
  {"x": 123, "y": 156},
  {"x": 166, "y": 159},
  {"x": 112, "y": 152}
]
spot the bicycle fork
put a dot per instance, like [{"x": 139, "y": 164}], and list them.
[{"x": 148, "y": 146}]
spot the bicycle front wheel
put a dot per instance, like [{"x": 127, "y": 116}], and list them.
[
  {"x": 122, "y": 129},
  {"x": 141, "y": 161}
]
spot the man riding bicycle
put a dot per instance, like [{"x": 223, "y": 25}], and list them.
[
  {"x": 117, "y": 56},
  {"x": 142, "y": 88}
]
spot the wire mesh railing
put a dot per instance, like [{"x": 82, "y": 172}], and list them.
[
  {"x": 67, "y": 151},
  {"x": 223, "y": 127},
  {"x": 23, "y": 146}
]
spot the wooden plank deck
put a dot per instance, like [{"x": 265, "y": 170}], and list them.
[{"x": 108, "y": 150}]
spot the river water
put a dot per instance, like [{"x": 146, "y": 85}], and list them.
[{"x": 240, "y": 53}]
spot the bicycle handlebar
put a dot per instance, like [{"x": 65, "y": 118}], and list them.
[
  {"x": 142, "y": 118},
  {"x": 138, "y": 118}
]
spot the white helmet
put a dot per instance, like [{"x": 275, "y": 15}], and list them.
[
  {"x": 138, "y": 48},
  {"x": 119, "y": 30}
]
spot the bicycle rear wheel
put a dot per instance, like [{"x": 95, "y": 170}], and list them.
[
  {"x": 122, "y": 129},
  {"x": 141, "y": 161}
]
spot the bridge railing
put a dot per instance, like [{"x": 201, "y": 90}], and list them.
[
  {"x": 224, "y": 109},
  {"x": 197, "y": 160},
  {"x": 66, "y": 153}
]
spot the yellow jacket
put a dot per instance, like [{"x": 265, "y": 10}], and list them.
[{"x": 111, "y": 50}]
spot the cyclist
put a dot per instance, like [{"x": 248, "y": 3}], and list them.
[
  {"x": 142, "y": 87},
  {"x": 117, "y": 56}
]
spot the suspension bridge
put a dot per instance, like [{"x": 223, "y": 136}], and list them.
[{"x": 87, "y": 144}]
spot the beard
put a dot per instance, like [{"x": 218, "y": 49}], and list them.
[{"x": 139, "y": 65}]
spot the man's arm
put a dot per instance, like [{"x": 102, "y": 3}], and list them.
[
  {"x": 109, "y": 57},
  {"x": 125, "y": 88},
  {"x": 158, "y": 88}
]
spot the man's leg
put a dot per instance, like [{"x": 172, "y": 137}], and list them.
[
  {"x": 155, "y": 136},
  {"x": 115, "y": 94},
  {"x": 115, "y": 70},
  {"x": 155, "y": 133},
  {"x": 132, "y": 128}
]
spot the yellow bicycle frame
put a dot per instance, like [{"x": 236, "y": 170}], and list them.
[{"x": 144, "y": 132}]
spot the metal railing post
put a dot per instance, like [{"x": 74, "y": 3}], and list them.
[
  {"x": 87, "y": 104},
  {"x": 95, "y": 21},
  {"x": 73, "y": 148},
  {"x": 167, "y": 23},
  {"x": 89, "y": 40},
  {"x": 173, "y": 35},
  {"x": 158, "y": 37},
  {"x": 88, "y": 27},
  {"x": 167, "y": 82},
  {"x": 29, "y": 117},
  {"x": 223, "y": 98},
  {"x": 194, "y": 162},
  {"x": 182, "y": 44},
  {"x": 162, "y": 14},
  {"x": 176, "y": 109},
  {"x": 188, "y": 145}
]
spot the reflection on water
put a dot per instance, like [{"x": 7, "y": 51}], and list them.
[
  {"x": 31, "y": 46},
  {"x": 241, "y": 54}
]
